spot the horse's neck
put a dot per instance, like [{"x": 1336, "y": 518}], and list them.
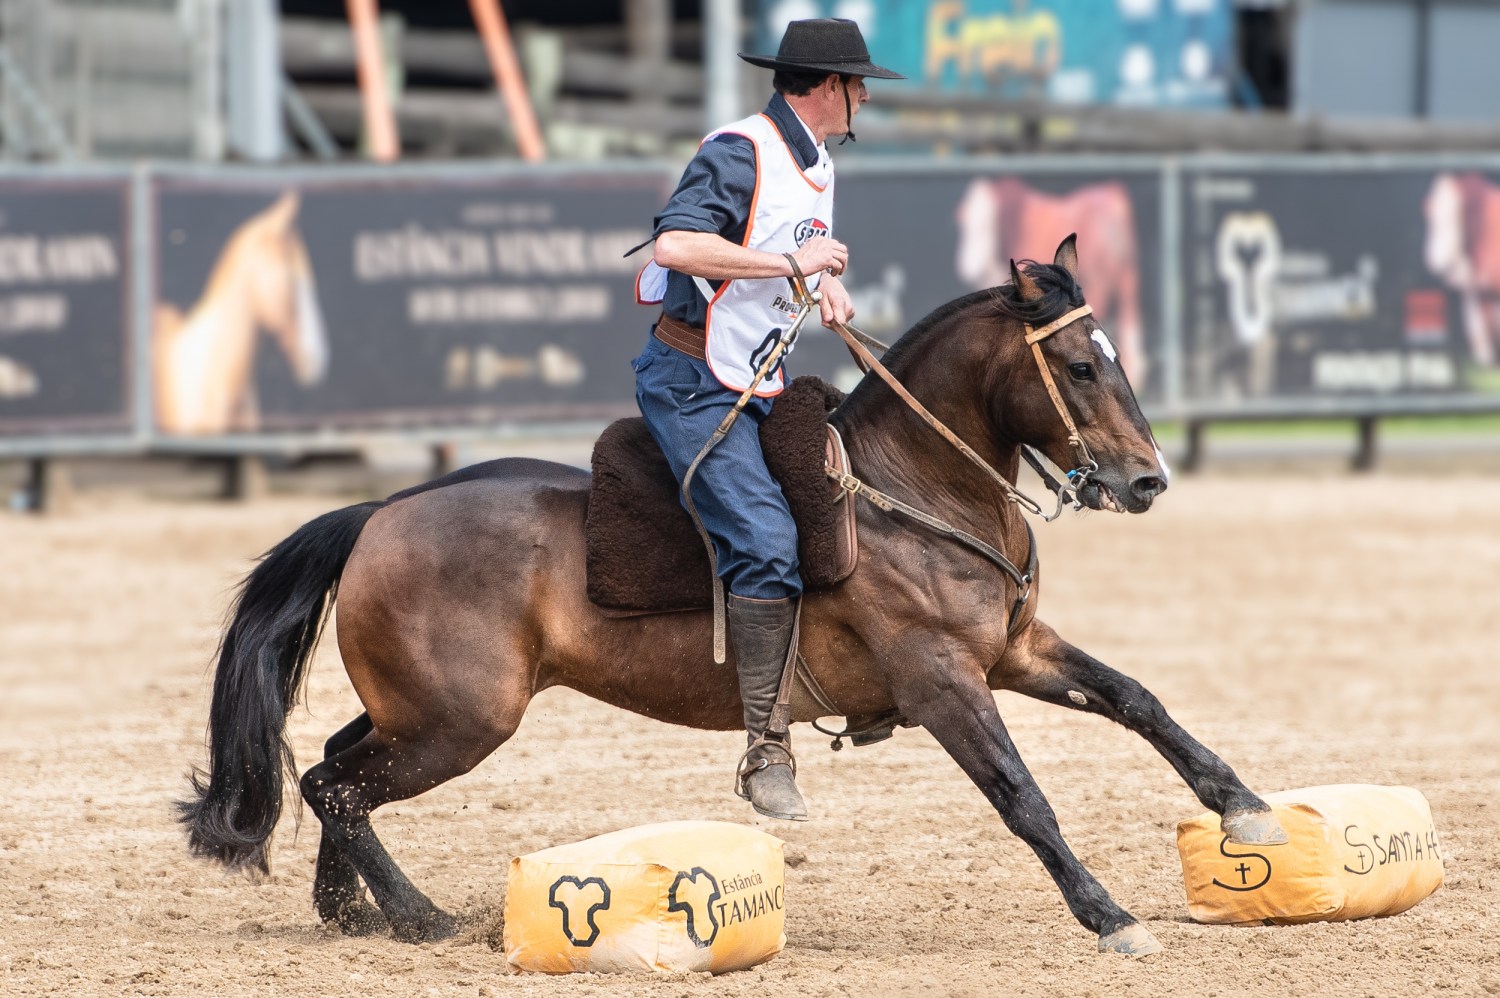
[
  {"x": 895, "y": 450},
  {"x": 203, "y": 358}
]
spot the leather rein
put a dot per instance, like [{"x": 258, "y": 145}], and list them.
[{"x": 859, "y": 343}]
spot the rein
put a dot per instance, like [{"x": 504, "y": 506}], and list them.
[{"x": 859, "y": 342}]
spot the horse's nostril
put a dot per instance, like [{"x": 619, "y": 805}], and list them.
[{"x": 1148, "y": 486}]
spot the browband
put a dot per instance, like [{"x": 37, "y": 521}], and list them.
[{"x": 1037, "y": 335}]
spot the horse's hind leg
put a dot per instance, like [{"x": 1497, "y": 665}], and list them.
[
  {"x": 337, "y": 893},
  {"x": 1042, "y": 665},
  {"x": 343, "y": 791}
]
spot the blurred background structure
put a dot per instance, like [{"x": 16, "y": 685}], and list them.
[
  {"x": 1286, "y": 208},
  {"x": 277, "y": 80}
]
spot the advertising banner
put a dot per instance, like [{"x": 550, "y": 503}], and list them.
[
  {"x": 1153, "y": 53},
  {"x": 1340, "y": 282},
  {"x": 922, "y": 237},
  {"x": 65, "y": 359},
  {"x": 452, "y": 300}
]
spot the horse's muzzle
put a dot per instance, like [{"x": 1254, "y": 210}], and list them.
[
  {"x": 1145, "y": 489},
  {"x": 1134, "y": 498}
]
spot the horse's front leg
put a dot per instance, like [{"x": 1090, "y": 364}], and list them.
[
  {"x": 1040, "y": 664},
  {"x": 950, "y": 699}
]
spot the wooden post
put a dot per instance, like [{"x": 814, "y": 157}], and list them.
[
  {"x": 1367, "y": 451},
  {"x": 648, "y": 30},
  {"x": 507, "y": 69},
  {"x": 380, "y": 115},
  {"x": 1192, "y": 460},
  {"x": 49, "y": 487},
  {"x": 444, "y": 458},
  {"x": 245, "y": 478}
]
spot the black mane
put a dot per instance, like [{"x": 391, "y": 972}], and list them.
[{"x": 1060, "y": 294}]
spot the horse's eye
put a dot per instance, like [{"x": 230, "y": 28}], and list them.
[{"x": 1081, "y": 372}]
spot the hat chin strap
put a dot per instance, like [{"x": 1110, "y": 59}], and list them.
[{"x": 848, "y": 114}]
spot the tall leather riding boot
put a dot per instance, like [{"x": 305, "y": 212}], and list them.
[{"x": 762, "y": 632}]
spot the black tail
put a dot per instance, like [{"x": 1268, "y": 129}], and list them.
[{"x": 276, "y": 619}]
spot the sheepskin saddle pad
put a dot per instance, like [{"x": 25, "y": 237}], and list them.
[{"x": 645, "y": 555}]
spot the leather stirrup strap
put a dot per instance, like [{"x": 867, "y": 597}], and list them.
[{"x": 781, "y": 711}]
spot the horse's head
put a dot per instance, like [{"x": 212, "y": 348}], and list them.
[
  {"x": 1089, "y": 381},
  {"x": 283, "y": 298}
]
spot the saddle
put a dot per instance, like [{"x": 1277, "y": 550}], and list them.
[{"x": 643, "y": 553}]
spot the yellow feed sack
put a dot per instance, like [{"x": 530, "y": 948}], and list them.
[
  {"x": 676, "y": 897},
  {"x": 1354, "y": 851}
]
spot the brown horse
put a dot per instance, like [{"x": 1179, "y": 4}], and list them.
[{"x": 459, "y": 600}]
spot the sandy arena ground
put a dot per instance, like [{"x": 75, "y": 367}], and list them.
[{"x": 1310, "y": 629}]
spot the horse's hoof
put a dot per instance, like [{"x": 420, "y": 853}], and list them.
[
  {"x": 360, "y": 918},
  {"x": 435, "y": 926},
  {"x": 1130, "y": 940},
  {"x": 1253, "y": 828}
]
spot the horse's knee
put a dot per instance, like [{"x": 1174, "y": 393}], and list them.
[
  {"x": 327, "y": 796},
  {"x": 1140, "y": 708}
]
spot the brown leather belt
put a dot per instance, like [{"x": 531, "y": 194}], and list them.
[{"x": 689, "y": 339}]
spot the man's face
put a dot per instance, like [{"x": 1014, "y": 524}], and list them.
[
  {"x": 833, "y": 95},
  {"x": 858, "y": 93}
]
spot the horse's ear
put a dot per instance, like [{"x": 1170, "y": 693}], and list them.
[
  {"x": 1024, "y": 285},
  {"x": 1067, "y": 255},
  {"x": 284, "y": 212}
]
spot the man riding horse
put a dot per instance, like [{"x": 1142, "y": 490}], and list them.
[{"x": 753, "y": 208}]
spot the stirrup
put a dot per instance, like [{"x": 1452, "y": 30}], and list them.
[{"x": 747, "y": 768}]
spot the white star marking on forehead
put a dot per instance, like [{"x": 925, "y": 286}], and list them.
[{"x": 1104, "y": 344}]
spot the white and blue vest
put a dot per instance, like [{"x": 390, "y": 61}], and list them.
[{"x": 747, "y": 315}]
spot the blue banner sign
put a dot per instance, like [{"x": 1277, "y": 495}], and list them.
[
  {"x": 1151, "y": 53},
  {"x": 65, "y": 358}
]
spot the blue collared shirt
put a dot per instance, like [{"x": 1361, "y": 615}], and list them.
[{"x": 715, "y": 194}]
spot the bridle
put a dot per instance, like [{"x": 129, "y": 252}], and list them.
[
  {"x": 1086, "y": 466},
  {"x": 859, "y": 343}
]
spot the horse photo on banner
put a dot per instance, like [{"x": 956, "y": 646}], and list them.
[
  {"x": 1343, "y": 281},
  {"x": 1463, "y": 251},
  {"x": 1004, "y": 218},
  {"x": 203, "y": 358},
  {"x": 439, "y": 300},
  {"x": 918, "y": 238}
]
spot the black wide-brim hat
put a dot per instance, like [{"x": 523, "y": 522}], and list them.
[{"x": 823, "y": 45}]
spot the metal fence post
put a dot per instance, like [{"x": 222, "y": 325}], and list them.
[
  {"x": 140, "y": 290},
  {"x": 721, "y": 37},
  {"x": 1367, "y": 450},
  {"x": 1171, "y": 284}
]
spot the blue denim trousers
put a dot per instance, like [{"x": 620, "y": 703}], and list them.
[{"x": 741, "y": 505}]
